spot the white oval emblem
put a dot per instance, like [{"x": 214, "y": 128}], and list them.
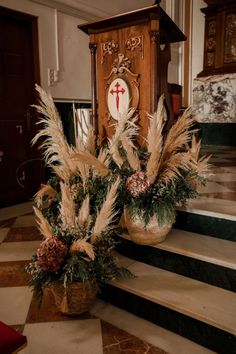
[{"x": 118, "y": 98}]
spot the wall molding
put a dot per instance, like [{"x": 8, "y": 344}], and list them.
[{"x": 70, "y": 10}]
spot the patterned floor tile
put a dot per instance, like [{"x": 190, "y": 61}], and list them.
[
  {"x": 224, "y": 195},
  {"x": 3, "y": 233},
  {"x": 229, "y": 184},
  {"x": 8, "y": 222},
  {"x": 117, "y": 341},
  {"x": 17, "y": 234},
  {"x": 14, "y": 304},
  {"x": 46, "y": 311},
  {"x": 13, "y": 273},
  {"x": 16, "y": 251},
  {"x": 18, "y": 305},
  {"x": 25, "y": 220},
  {"x": 68, "y": 337}
]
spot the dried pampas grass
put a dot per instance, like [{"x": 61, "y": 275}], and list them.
[
  {"x": 106, "y": 215},
  {"x": 67, "y": 207},
  {"x": 88, "y": 159},
  {"x": 91, "y": 140},
  {"x": 124, "y": 129},
  {"x": 83, "y": 246},
  {"x": 83, "y": 217},
  {"x": 43, "y": 225},
  {"x": 56, "y": 149},
  {"x": 202, "y": 166},
  {"x": 155, "y": 140},
  {"x": 45, "y": 190},
  {"x": 179, "y": 135}
]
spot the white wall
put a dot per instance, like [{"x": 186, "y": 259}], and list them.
[
  {"x": 74, "y": 60},
  {"x": 173, "y": 9},
  {"x": 62, "y": 47},
  {"x": 197, "y": 40}
]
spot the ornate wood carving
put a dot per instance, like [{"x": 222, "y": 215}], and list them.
[
  {"x": 108, "y": 48},
  {"x": 121, "y": 69},
  {"x": 135, "y": 43},
  {"x": 220, "y": 37},
  {"x": 129, "y": 60},
  {"x": 230, "y": 39}
]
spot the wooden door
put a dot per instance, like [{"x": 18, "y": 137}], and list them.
[{"x": 20, "y": 167}]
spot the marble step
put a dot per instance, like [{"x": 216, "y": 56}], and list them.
[
  {"x": 196, "y": 310},
  {"x": 205, "y": 248},
  {"x": 149, "y": 332},
  {"x": 208, "y": 259},
  {"x": 207, "y": 223}
]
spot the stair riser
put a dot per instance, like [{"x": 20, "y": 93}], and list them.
[
  {"x": 195, "y": 330},
  {"x": 193, "y": 268},
  {"x": 206, "y": 225}
]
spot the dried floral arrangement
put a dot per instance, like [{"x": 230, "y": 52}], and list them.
[
  {"x": 92, "y": 185},
  {"x": 75, "y": 211},
  {"x": 165, "y": 173}
]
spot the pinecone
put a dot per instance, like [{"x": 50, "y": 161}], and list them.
[
  {"x": 51, "y": 254},
  {"x": 137, "y": 183}
]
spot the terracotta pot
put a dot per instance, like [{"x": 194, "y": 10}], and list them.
[
  {"x": 151, "y": 234},
  {"x": 76, "y": 298}
]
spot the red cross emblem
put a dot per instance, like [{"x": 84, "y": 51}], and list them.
[{"x": 117, "y": 92}]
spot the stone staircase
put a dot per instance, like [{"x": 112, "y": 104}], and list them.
[{"x": 187, "y": 283}]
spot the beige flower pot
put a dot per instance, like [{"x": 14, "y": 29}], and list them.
[
  {"x": 151, "y": 234},
  {"x": 76, "y": 298}
]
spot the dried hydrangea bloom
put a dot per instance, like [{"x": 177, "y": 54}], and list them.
[
  {"x": 137, "y": 183},
  {"x": 51, "y": 254}
]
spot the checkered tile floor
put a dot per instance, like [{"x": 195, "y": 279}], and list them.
[
  {"x": 219, "y": 194},
  {"x": 50, "y": 332},
  {"x": 46, "y": 329}
]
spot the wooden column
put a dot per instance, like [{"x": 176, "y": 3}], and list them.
[
  {"x": 93, "y": 50},
  {"x": 154, "y": 63},
  {"x": 165, "y": 57}
]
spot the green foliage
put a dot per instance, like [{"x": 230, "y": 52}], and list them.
[
  {"x": 78, "y": 267},
  {"x": 160, "y": 200}
]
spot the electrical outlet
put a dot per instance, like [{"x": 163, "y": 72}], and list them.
[
  {"x": 56, "y": 76},
  {"x": 51, "y": 77}
]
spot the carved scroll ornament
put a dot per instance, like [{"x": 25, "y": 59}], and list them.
[
  {"x": 108, "y": 48},
  {"x": 135, "y": 43}
]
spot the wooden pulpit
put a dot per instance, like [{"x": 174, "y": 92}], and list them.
[{"x": 129, "y": 63}]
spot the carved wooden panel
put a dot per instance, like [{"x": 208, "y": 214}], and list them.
[
  {"x": 220, "y": 37},
  {"x": 230, "y": 39},
  {"x": 128, "y": 67},
  {"x": 130, "y": 64}
]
